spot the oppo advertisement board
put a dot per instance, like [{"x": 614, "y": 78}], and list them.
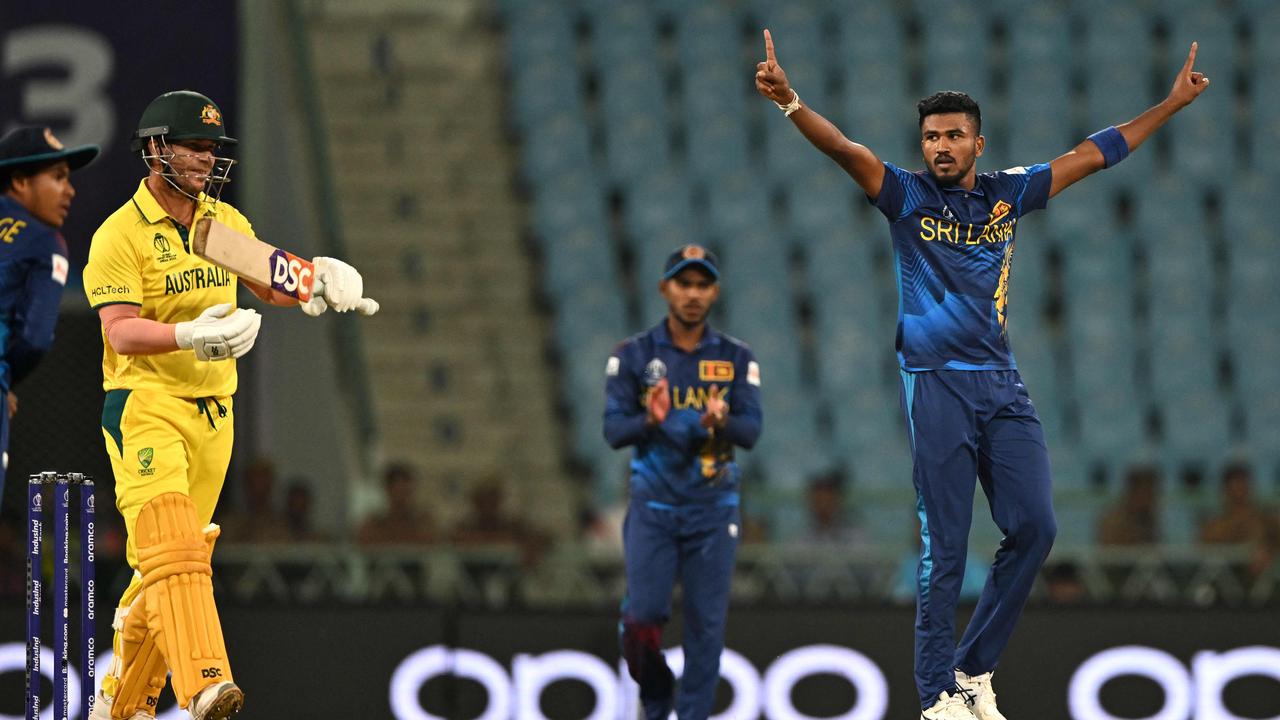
[{"x": 782, "y": 665}]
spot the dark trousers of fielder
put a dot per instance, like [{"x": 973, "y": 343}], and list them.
[
  {"x": 964, "y": 425},
  {"x": 697, "y": 544}
]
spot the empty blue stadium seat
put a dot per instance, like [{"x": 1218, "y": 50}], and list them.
[
  {"x": 636, "y": 147},
  {"x": 622, "y": 34},
  {"x": 568, "y": 200},
  {"x": 707, "y": 33},
  {"x": 556, "y": 146},
  {"x": 737, "y": 203},
  {"x": 533, "y": 103}
]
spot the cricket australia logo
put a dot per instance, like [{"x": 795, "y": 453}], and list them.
[
  {"x": 654, "y": 371},
  {"x": 145, "y": 456},
  {"x": 163, "y": 252},
  {"x": 210, "y": 115}
]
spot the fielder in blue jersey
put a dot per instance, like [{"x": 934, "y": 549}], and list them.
[
  {"x": 968, "y": 414},
  {"x": 35, "y": 196},
  {"x": 684, "y": 395}
]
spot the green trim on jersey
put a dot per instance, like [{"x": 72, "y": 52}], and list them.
[{"x": 112, "y": 410}]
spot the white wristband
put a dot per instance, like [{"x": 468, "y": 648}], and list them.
[{"x": 792, "y": 106}]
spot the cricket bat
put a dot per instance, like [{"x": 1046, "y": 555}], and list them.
[{"x": 261, "y": 263}]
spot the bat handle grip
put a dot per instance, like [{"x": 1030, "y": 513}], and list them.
[{"x": 366, "y": 306}]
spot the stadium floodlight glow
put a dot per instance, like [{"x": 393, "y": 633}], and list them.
[{"x": 795, "y": 665}]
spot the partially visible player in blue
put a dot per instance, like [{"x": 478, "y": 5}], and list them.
[
  {"x": 685, "y": 396},
  {"x": 35, "y": 196},
  {"x": 968, "y": 414}
]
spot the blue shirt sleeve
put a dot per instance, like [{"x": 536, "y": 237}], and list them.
[
  {"x": 745, "y": 416},
  {"x": 901, "y": 193},
  {"x": 625, "y": 419},
  {"x": 1029, "y": 187},
  {"x": 36, "y": 313}
]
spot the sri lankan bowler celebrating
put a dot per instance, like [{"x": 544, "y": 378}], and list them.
[
  {"x": 171, "y": 334},
  {"x": 969, "y": 416}
]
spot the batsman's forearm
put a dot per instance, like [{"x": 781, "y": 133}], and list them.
[
  {"x": 140, "y": 336},
  {"x": 1137, "y": 130},
  {"x": 269, "y": 295}
]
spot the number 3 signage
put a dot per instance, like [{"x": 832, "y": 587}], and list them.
[{"x": 68, "y": 71}]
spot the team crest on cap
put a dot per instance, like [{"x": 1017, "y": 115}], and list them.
[
  {"x": 693, "y": 252},
  {"x": 210, "y": 115},
  {"x": 53, "y": 141}
]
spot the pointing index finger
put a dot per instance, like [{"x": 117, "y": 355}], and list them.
[
  {"x": 769, "y": 56},
  {"x": 1191, "y": 58}
]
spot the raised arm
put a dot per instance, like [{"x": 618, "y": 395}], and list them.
[
  {"x": 1108, "y": 147},
  {"x": 857, "y": 160}
]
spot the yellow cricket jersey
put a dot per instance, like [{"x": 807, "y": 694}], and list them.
[{"x": 143, "y": 257}]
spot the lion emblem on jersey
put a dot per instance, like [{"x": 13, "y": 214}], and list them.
[{"x": 999, "y": 212}]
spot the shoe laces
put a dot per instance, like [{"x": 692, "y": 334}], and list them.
[{"x": 981, "y": 693}]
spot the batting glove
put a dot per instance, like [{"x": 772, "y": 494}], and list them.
[
  {"x": 314, "y": 307},
  {"x": 343, "y": 286},
  {"x": 219, "y": 333}
]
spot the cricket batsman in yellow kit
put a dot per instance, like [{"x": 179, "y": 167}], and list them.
[{"x": 171, "y": 335}]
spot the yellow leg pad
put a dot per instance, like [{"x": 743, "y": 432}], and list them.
[
  {"x": 142, "y": 670},
  {"x": 173, "y": 557}
]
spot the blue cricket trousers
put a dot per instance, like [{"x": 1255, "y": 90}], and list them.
[
  {"x": 964, "y": 425},
  {"x": 696, "y": 543}
]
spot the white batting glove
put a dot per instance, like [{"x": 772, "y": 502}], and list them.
[
  {"x": 218, "y": 333},
  {"x": 343, "y": 286},
  {"x": 314, "y": 307}
]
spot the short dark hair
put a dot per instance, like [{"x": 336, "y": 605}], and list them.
[
  {"x": 949, "y": 101},
  {"x": 8, "y": 175}
]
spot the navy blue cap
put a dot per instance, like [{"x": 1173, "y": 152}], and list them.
[
  {"x": 691, "y": 256},
  {"x": 36, "y": 144}
]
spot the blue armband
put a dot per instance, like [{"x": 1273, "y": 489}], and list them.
[{"x": 1112, "y": 144}]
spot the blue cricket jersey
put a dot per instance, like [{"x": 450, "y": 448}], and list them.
[
  {"x": 679, "y": 462},
  {"x": 33, "y": 272},
  {"x": 954, "y": 248}
]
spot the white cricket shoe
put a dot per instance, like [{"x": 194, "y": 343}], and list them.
[
  {"x": 949, "y": 707},
  {"x": 216, "y": 702},
  {"x": 102, "y": 710},
  {"x": 984, "y": 697}
]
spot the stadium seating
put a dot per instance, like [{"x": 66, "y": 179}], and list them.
[{"x": 1138, "y": 299}]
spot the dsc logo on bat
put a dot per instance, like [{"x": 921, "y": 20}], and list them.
[{"x": 291, "y": 275}]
